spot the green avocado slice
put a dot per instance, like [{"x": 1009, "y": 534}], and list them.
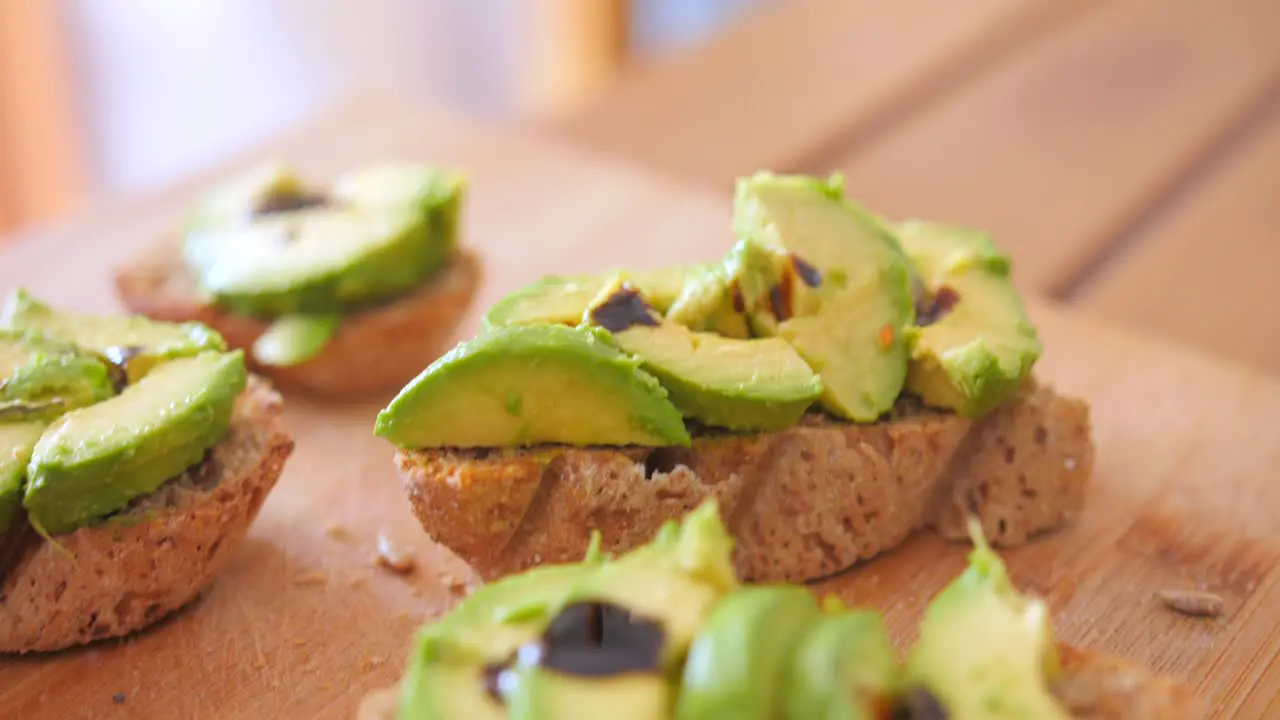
[
  {"x": 268, "y": 246},
  {"x": 295, "y": 339},
  {"x": 533, "y": 384},
  {"x": 17, "y": 440},
  {"x": 133, "y": 343},
  {"x": 476, "y": 661},
  {"x": 42, "y": 378},
  {"x": 985, "y": 650},
  {"x": 92, "y": 461},
  {"x": 974, "y": 345},
  {"x": 738, "y": 384},
  {"x": 562, "y": 299},
  {"x": 844, "y": 668},
  {"x": 845, "y": 300},
  {"x": 737, "y": 663}
]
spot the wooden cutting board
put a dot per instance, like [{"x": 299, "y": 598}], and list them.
[{"x": 303, "y": 623}]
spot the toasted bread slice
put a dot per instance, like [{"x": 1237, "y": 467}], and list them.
[
  {"x": 802, "y": 503},
  {"x": 1093, "y": 686},
  {"x": 375, "y": 350},
  {"x": 111, "y": 579}
]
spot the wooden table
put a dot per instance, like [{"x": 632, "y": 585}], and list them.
[
  {"x": 1127, "y": 151},
  {"x": 302, "y": 623}
]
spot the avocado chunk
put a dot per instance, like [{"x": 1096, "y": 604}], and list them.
[
  {"x": 985, "y": 650},
  {"x": 737, "y": 664},
  {"x": 843, "y": 668},
  {"x": 131, "y": 344},
  {"x": 17, "y": 440},
  {"x": 295, "y": 339},
  {"x": 533, "y": 384},
  {"x": 93, "y": 461},
  {"x": 42, "y": 378},
  {"x": 560, "y": 299},
  {"x": 846, "y": 301},
  {"x": 567, "y": 641},
  {"x": 754, "y": 384},
  {"x": 383, "y": 230},
  {"x": 973, "y": 344}
]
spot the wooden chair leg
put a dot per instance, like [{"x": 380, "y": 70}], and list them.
[
  {"x": 43, "y": 164},
  {"x": 576, "y": 46}
]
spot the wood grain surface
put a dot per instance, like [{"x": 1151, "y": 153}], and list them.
[
  {"x": 303, "y": 623},
  {"x": 786, "y": 81},
  {"x": 1205, "y": 272},
  {"x": 1059, "y": 149}
]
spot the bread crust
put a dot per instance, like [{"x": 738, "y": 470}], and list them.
[
  {"x": 117, "y": 577},
  {"x": 802, "y": 503},
  {"x": 375, "y": 350},
  {"x": 1093, "y": 686}
]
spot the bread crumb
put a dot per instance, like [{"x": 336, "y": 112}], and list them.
[
  {"x": 453, "y": 582},
  {"x": 312, "y": 578},
  {"x": 299, "y": 641},
  {"x": 1194, "y": 603},
  {"x": 335, "y": 530},
  {"x": 393, "y": 558}
]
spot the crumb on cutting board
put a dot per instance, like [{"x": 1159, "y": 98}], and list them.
[
  {"x": 392, "y": 557},
  {"x": 335, "y": 530},
  {"x": 1195, "y": 603},
  {"x": 310, "y": 578}
]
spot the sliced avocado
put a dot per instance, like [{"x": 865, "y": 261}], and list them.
[
  {"x": 722, "y": 298},
  {"x": 447, "y": 675},
  {"x": 532, "y": 384},
  {"x": 985, "y": 650},
  {"x": 540, "y": 694},
  {"x": 42, "y": 378},
  {"x": 973, "y": 344},
  {"x": 559, "y": 641},
  {"x": 755, "y": 384},
  {"x": 133, "y": 344},
  {"x": 737, "y": 663},
  {"x": 263, "y": 188},
  {"x": 843, "y": 668},
  {"x": 91, "y": 462},
  {"x": 383, "y": 232},
  {"x": 16, "y": 443},
  {"x": 295, "y": 339},
  {"x": 849, "y": 328},
  {"x": 562, "y": 299}
]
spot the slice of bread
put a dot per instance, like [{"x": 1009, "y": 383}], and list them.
[
  {"x": 802, "y": 503},
  {"x": 375, "y": 350},
  {"x": 1093, "y": 686},
  {"x": 111, "y": 579}
]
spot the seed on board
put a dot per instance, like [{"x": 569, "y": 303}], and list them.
[
  {"x": 1195, "y": 603},
  {"x": 392, "y": 557}
]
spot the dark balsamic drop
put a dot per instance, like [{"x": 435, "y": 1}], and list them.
[
  {"x": 920, "y": 704},
  {"x": 936, "y": 308},
  {"x": 118, "y": 358},
  {"x": 593, "y": 639},
  {"x": 289, "y": 202},
  {"x": 623, "y": 309},
  {"x": 809, "y": 274}
]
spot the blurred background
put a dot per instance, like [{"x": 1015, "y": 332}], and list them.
[
  {"x": 1107, "y": 144},
  {"x": 109, "y": 97}
]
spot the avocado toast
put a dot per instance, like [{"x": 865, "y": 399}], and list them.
[
  {"x": 341, "y": 291},
  {"x": 666, "y": 631},
  {"x": 837, "y": 382},
  {"x": 134, "y": 455}
]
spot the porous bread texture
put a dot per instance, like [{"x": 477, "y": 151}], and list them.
[
  {"x": 1093, "y": 686},
  {"x": 376, "y": 350},
  {"x": 116, "y": 577},
  {"x": 802, "y": 503}
]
